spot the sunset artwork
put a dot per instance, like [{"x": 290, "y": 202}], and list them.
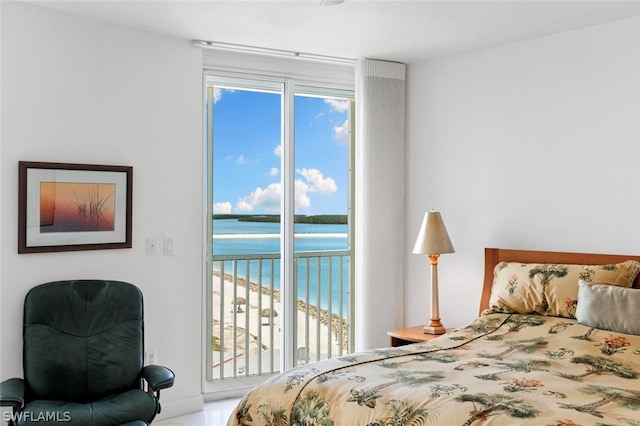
[{"x": 77, "y": 207}]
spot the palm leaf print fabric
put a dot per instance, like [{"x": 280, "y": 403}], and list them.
[{"x": 503, "y": 369}]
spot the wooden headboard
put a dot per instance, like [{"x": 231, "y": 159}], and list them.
[{"x": 493, "y": 256}]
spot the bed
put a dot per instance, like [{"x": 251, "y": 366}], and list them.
[{"x": 556, "y": 342}]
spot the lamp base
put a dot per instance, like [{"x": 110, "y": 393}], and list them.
[{"x": 434, "y": 327}]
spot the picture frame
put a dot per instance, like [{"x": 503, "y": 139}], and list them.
[{"x": 71, "y": 207}]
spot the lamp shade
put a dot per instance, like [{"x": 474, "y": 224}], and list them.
[{"x": 433, "y": 237}]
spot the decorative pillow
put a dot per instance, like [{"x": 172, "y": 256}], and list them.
[
  {"x": 600, "y": 306},
  {"x": 551, "y": 289}
]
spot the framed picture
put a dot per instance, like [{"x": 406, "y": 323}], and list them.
[{"x": 69, "y": 207}]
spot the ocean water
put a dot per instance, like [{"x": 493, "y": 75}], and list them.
[{"x": 233, "y": 237}]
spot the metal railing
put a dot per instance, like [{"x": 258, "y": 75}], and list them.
[{"x": 247, "y": 316}]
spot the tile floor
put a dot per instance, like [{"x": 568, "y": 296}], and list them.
[{"x": 215, "y": 413}]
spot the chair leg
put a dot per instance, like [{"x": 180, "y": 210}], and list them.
[
  {"x": 156, "y": 395},
  {"x": 16, "y": 412}
]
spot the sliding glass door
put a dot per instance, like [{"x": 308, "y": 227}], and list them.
[{"x": 279, "y": 271}]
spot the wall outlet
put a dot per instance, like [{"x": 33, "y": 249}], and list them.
[{"x": 150, "y": 357}]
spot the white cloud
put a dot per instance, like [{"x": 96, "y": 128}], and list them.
[
  {"x": 240, "y": 160},
  {"x": 341, "y": 133},
  {"x": 268, "y": 198},
  {"x": 278, "y": 150},
  {"x": 243, "y": 206},
  {"x": 217, "y": 94},
  {"x": 302, "y": 199},
  {"x": 222, "y": 208},
  {"x": 337, "y": 105},
  {"x": 317, "y": 182},
  {"x": 274, "y": 171}
]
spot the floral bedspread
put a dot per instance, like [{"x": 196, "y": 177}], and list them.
[{"x": 503, "y": 369}]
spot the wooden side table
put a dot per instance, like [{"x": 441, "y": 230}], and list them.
[{"x": 405, "y": 336}]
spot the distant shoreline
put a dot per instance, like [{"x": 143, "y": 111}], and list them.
[
  {"x": 300, "y": 235},
  {"x": 324, "y": 219}
]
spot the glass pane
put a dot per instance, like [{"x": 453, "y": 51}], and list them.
[
  {"x": 322, "y": 144},
  {"x": 246, "y": 229}
]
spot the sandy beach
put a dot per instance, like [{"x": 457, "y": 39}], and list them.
[{"x": 255, "y": 348}]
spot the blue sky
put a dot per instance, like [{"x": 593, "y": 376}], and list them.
[{"x": 247, "y": 149}]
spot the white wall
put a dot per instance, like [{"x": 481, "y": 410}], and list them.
[
  {"x": 532, "y": 145},
  {"x": 77, "y": 90}
]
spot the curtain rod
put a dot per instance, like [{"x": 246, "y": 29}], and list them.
[{"x": 272, "y": 52}]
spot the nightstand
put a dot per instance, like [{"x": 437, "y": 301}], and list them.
[{"x": 405, "y": 336}]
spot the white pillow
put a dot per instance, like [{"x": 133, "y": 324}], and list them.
[{"x": 609, "y": 307}]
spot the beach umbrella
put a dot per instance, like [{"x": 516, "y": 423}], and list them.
[
  {"x": 239, "y": 302},
  {"x": 266, "y": 313}
]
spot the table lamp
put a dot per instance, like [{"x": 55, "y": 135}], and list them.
[{"x": 433, "y": 240}]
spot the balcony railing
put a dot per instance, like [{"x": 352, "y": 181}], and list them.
[{"x": 247, "y": 316}]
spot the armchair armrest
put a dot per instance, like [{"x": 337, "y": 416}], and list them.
[
  {"x": 12, "y": 393},
  {"x": 158, "y": 377}
]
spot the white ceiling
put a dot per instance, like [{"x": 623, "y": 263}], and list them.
[{"x": 395, "y": 30}]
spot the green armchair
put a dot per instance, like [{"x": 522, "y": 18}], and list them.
[{"x": 83, "y": 349}]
